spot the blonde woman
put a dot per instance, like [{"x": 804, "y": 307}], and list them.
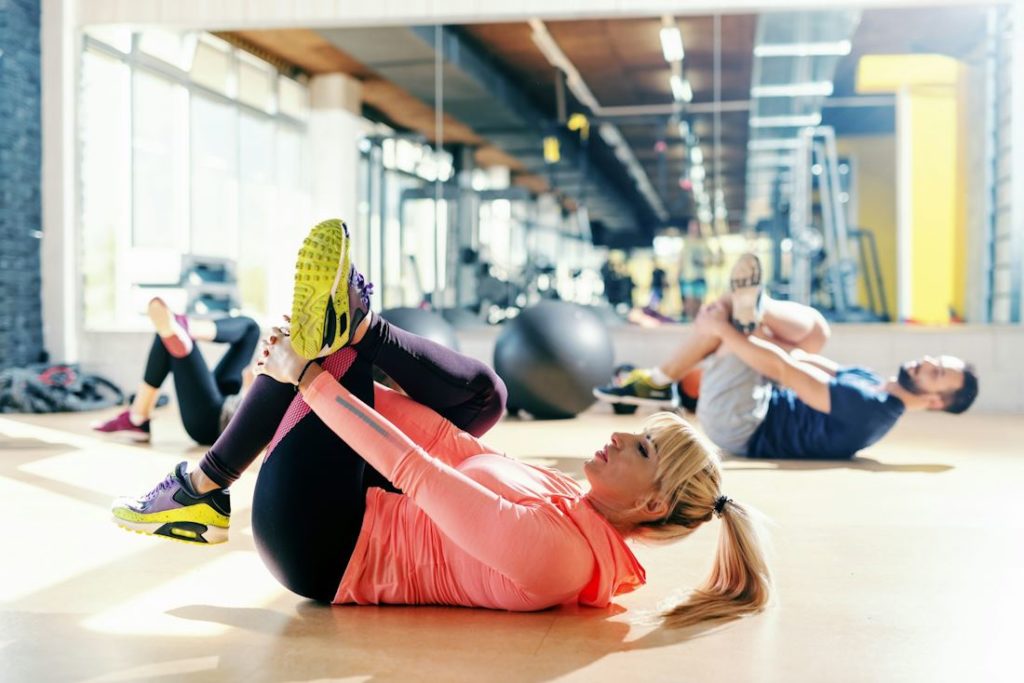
[{"x": 375, "y": 497}]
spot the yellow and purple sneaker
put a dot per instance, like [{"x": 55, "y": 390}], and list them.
[
  {"x": 331, "y": 297},
  {"x": 173, "y": 509}
]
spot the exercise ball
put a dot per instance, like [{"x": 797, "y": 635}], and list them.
[
  {"x": 424, "y": 323},
  {"x": 462, "y": 318},
  {"x": 551, "y": 357}
]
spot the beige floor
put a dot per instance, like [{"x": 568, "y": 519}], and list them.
[{"x": 903, "y": 565}]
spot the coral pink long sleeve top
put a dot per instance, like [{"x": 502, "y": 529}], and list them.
[{"x": 472, "y": 527}]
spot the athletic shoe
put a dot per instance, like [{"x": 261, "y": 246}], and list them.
[
  {"x": 745, "y": 280},
  {"x": 359, "y": 291},
  {"x": 638, "y": 389},
  {"x": 174, "y": 510},
  {"x": 322, "y": 317},
  {"x": 122, "y": 425},
  {"x": 179, "y": 343}
]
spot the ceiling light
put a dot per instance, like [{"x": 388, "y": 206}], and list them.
[
  {"x": 697, "y": 173},
  {"x": 672, "y": 44},
  {"x": 788, "y": 121},
  {"x": 696, "y": 155},
  {"x": 808, "y": 89},
  {"x": 681, "y": 90},
  {"x": 836, "y": 49},
  {"x": 684, "y": 130}
]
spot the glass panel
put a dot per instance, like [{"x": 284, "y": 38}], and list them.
[
  {"x": 214, "y": 181},
  {"x": 105, "y": 171},
  {"x": 257, "y": 197},
  {"x": 160, "y": 151}
]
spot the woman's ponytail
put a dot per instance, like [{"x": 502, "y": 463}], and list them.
[{"x": 740, "y": 581}]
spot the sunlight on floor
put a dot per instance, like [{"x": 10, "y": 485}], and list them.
[{"x": 237, "y": 579}]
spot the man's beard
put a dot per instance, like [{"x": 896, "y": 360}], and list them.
[{"x": 907, "y": 382}]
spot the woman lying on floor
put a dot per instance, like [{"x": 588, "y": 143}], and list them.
[{"x": 369, "y": 496}]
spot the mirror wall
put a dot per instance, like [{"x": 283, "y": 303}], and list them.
[{"x": 620, "y": 162}]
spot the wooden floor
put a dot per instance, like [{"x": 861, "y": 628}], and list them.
[{"x": 906, "y": 564}]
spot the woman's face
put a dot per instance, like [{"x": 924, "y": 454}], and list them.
[{"x": 623, "y": 472}]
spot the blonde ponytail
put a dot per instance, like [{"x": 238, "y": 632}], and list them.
[
  {"x": 740, "y": 581},
  {"x": 690, "y": 478}
]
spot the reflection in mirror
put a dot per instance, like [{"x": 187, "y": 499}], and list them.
[{"x": 626, "y": 162}]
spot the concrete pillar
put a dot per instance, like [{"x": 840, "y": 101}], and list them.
[{"x": 62, "y": 316}]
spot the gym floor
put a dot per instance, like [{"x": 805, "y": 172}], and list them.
[{"x": 903, "y": 564}]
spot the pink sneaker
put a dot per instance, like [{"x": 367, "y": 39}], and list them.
[
  {"x": 179, "y": 343},
  {"x": 122, "y": 425}
]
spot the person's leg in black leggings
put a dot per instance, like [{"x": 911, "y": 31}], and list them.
[
  {"x": 309, "y": 500},
  {"x": 158, "y": 364},
  {"x": 462, "y": 389},
  {"x": 198, "y": 396},
  {"x": 242, "y": 334},
  {"x": 248, "y": 432},
  {"x": 199, "y": 399}
]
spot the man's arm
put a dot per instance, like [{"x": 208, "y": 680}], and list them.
[
  {"x": 810, "y": 382},
  {"x": 818, "y": 361}
]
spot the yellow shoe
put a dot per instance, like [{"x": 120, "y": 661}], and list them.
[{"x": 321, "y": 321}]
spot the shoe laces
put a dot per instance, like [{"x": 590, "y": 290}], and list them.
[
  {"x": 168, "y": 482},
  {"x": 365, "y": 288}
]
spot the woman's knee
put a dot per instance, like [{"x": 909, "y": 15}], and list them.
[{"x": 491, "y": 395}]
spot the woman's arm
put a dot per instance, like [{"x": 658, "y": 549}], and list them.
[
  {"x": 526, "y": 543},
  {"x": 529, "y": 544}
]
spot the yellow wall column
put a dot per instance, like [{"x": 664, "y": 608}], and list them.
[
  {"x": 931, "y": 263},
  {"x": 874, "y": 163}
]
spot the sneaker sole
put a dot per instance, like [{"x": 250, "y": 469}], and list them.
[
  {"x": 634, "y": 400},
  {"x": 322, "y": 265},
  {"x": 745, "y": 298},
  {"x": 185, "y": 532}
]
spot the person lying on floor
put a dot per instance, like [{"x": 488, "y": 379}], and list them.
[
  {"x": 369, "y": 496},
  {"x": 765, "y": 392},
  {"x": 206, "y": 399}
]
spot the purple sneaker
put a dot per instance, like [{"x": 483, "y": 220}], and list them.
[
  {"x": 173, "y": 509},
  {"x": 122, "y": 425},
  {"x": 359, "y": 291}
]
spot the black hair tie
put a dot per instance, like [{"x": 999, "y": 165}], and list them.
[{"x": 720, "y": 504}]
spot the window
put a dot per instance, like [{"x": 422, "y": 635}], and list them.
[{"x": 180, "y": 149}]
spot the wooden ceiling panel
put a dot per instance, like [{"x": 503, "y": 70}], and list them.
[{"x": 304, "y": 48}]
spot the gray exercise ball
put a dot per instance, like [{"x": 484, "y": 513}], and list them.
[
  {"x": 551, "y": 357},
  {"x": 463, "y": 318},
  {"x": 424, "y": 323}
]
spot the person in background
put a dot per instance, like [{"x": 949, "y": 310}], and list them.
[{"x": 206, "y": 399}]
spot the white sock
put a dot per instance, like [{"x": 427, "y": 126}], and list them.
[
  {"x": 136, "y": 419},
  {"x": 660, "y": 378}
]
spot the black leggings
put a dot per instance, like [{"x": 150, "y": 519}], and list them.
[
  {"x": 200, "y": 392},
  {"x": 311, "y": 492}
]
